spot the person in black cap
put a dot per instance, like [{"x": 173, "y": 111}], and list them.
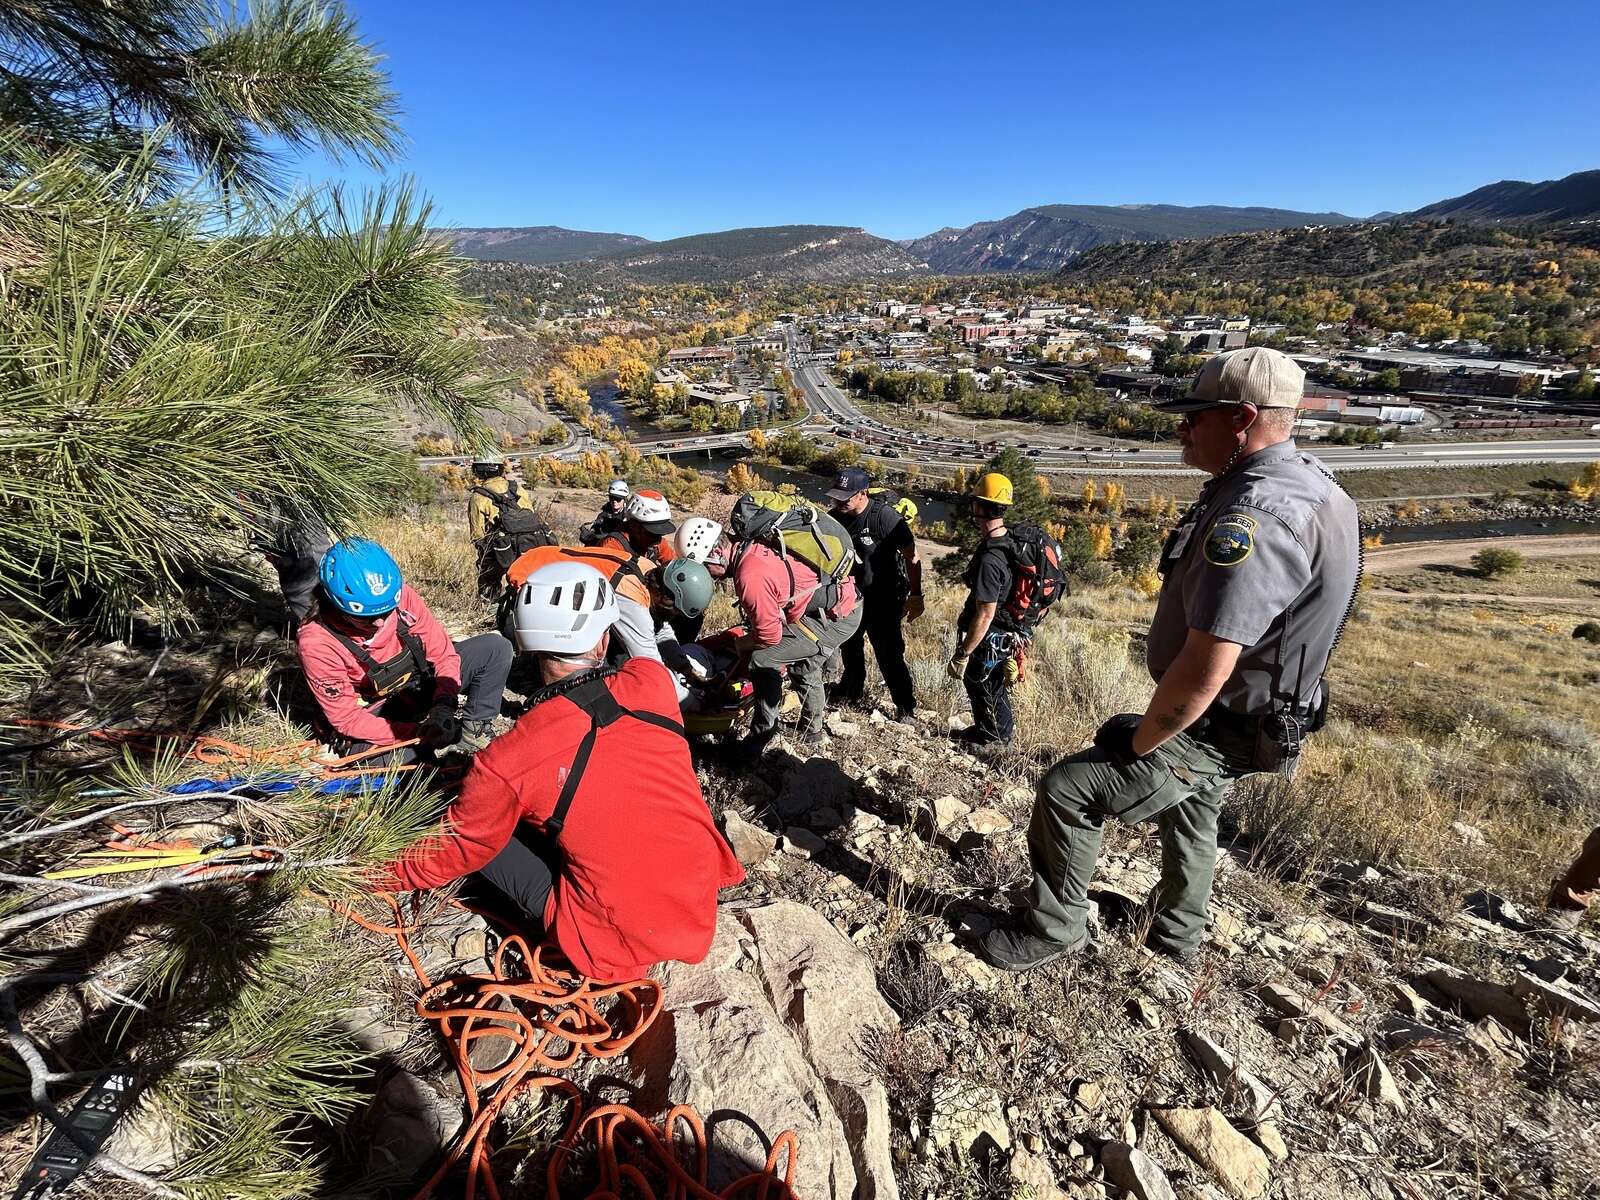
[{"x": 890, "y": 579}]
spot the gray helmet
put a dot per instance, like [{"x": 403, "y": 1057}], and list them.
[
  {"x": 488, "y": 462},
  {"x": 688, "y": 585}
]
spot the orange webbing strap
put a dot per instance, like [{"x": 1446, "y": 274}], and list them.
[{"x": 551, "y": 1017}]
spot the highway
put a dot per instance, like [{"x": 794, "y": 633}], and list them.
[{"x": 835, "y": 416}]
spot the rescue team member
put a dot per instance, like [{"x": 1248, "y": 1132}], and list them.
[
  {"x": 617, "y": 856},
  {"x": 647, "y": 596},
  {"x": 696, "y": 538},
  {"x": 491, "y": 494},
  {"x": 609, "y": 519},
  {"x": 890, "y": 579},
  {"x": 1259, "y": 579},
  {"x": 294, "y": 544},
  {"x": 382, "y": 668},
  {"x": 1572, "y": 894},
  {"x": 646, "y": 524},
  {"x": 774, "y": 591},
  {"x": 985, "y": 640}
]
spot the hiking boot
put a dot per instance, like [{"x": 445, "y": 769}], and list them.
[
  {"x": 476, "y": 735},
  {"x": 905, "y": 716},
  {"x": 1016, "y": 948},
  {"x": 811, "y": 739},
  {"x": 1184, "y": 956}
]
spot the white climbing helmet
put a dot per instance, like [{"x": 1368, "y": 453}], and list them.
[
  {"x": 564, "y": 608},
  {"x": 619, "y": 489},
  {"x": 651, "y": 510},
  {"x": 697, "y": 538}
]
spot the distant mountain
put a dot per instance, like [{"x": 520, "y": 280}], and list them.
[
  {"x": 1374, "y": 254},
  {"x": 538, "y": 244},
  {"x": 1577, "y": 197},
  {"x": 1051, "y": 235},
  {"x": 795, "y": 253}
]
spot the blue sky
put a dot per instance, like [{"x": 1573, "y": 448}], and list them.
[{"x": 665, "y": 118}]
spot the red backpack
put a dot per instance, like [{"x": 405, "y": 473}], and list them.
[{"x": 1038, "y": 579}]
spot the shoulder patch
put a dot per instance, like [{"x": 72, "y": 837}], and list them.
[{"x": 1231, "y": 540}]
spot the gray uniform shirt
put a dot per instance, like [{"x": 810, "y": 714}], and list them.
[{"x": 1269, "y": 558}]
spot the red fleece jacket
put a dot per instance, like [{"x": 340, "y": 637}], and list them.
[
  {"x": 642, "y": 860},
  {"x": 339, "y": 681}
]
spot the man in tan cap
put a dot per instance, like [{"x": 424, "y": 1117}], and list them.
[{"x": 1258, "y": 580}]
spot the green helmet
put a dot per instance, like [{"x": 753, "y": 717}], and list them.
[{"x": 687, "y": 585}]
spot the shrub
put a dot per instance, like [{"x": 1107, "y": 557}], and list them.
[
  {"x": 1494, "y": 562},
  {"x": 1589, "y": 631}
]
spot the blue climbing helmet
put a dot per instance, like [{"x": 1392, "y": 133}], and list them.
[{"x": 361, "y": 578}]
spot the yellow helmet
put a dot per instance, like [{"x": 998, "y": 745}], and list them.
[
  {"x": 993, "y": 487},
  {"x": 907, "y": 508}
]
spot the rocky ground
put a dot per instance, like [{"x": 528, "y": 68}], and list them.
[{"x": 1361, "y": 1033}]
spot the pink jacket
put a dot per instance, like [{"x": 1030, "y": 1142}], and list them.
[
  {"x": 339, "y": 681},
  {"x": 771, "y": 598}
]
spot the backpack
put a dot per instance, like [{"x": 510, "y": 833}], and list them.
[
  {"x": 796, "y": 529},
  {"x": 1038, "y": 579},
  {"x": 516, "y": 530}
]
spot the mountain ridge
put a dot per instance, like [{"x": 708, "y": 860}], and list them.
[
  {"x": 1046, "y": 237},
  {"x": 537, "y": 245},
  {"x": 1571, "y": 198},
  {"x": 797, "y": 253}
]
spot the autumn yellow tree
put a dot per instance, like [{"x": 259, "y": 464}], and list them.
[
  {"x": 1090, "y": 494},
  {"x": 1116, "y": 495},
  {"x": 1100, "y": 539},
  {"x": 1586, "y": 487}
]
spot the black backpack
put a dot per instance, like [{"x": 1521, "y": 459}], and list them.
[
  {"x": 1038, "y": 579},
  {"x": 516, "y": 530}
]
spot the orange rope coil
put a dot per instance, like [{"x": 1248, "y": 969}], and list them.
[{"x": 552, "y": 1017}]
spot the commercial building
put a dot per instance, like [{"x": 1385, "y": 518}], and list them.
[{"x": 700, "y": 356}]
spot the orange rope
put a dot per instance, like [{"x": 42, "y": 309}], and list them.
[{"x": 552, "y": 1017}]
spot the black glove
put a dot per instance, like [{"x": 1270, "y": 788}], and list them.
[
  {"x": 440, "y": 729},
  {"x": 1115, "y": 738}
]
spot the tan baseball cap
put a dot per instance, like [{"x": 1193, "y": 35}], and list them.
[{"x": 1256, "y": 375}]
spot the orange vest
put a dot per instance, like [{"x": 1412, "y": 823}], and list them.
[{"x": 625, "y": 571}]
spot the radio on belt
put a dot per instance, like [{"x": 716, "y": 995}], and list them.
[{"x": 64, "y": 1156}]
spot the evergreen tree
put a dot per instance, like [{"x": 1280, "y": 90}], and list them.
[{"x": 182, "y": 373}]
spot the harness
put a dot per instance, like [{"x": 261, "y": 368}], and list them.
[
  {"x": 407, "y": 668},
  {"x": 589, "y": 692}
]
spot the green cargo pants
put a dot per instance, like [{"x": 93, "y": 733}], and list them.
[{"x": 1180, "y": 786}]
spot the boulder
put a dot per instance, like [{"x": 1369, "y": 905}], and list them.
[
  {"x": 839, "y": 726},
  {"x": 825, "y": 991},
  {"x": 1135, "y": 1171},
  {"x": 1266, "y": 1135},
  {"x": 767, "y": 1031},
  {"x": 411, "y": 1126},
  {"x": 1204, "y": 1134},
  {"x": 1393, "y": 922},
  {"x": 964, "y": 1116}
]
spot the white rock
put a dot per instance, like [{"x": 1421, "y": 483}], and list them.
[
  {"x": 1034, "y": 1174},
  {"x": 1135, "y": 1171},
  {"x": 777, "y": 1043},
  {"x": 1204, "y": 1134},
  {"x": 1555, "y": 999},
  {"x": 1470, "y": 835},
  {"x": 988, "y": 821},
  {"x": 839, "y": 727}
]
